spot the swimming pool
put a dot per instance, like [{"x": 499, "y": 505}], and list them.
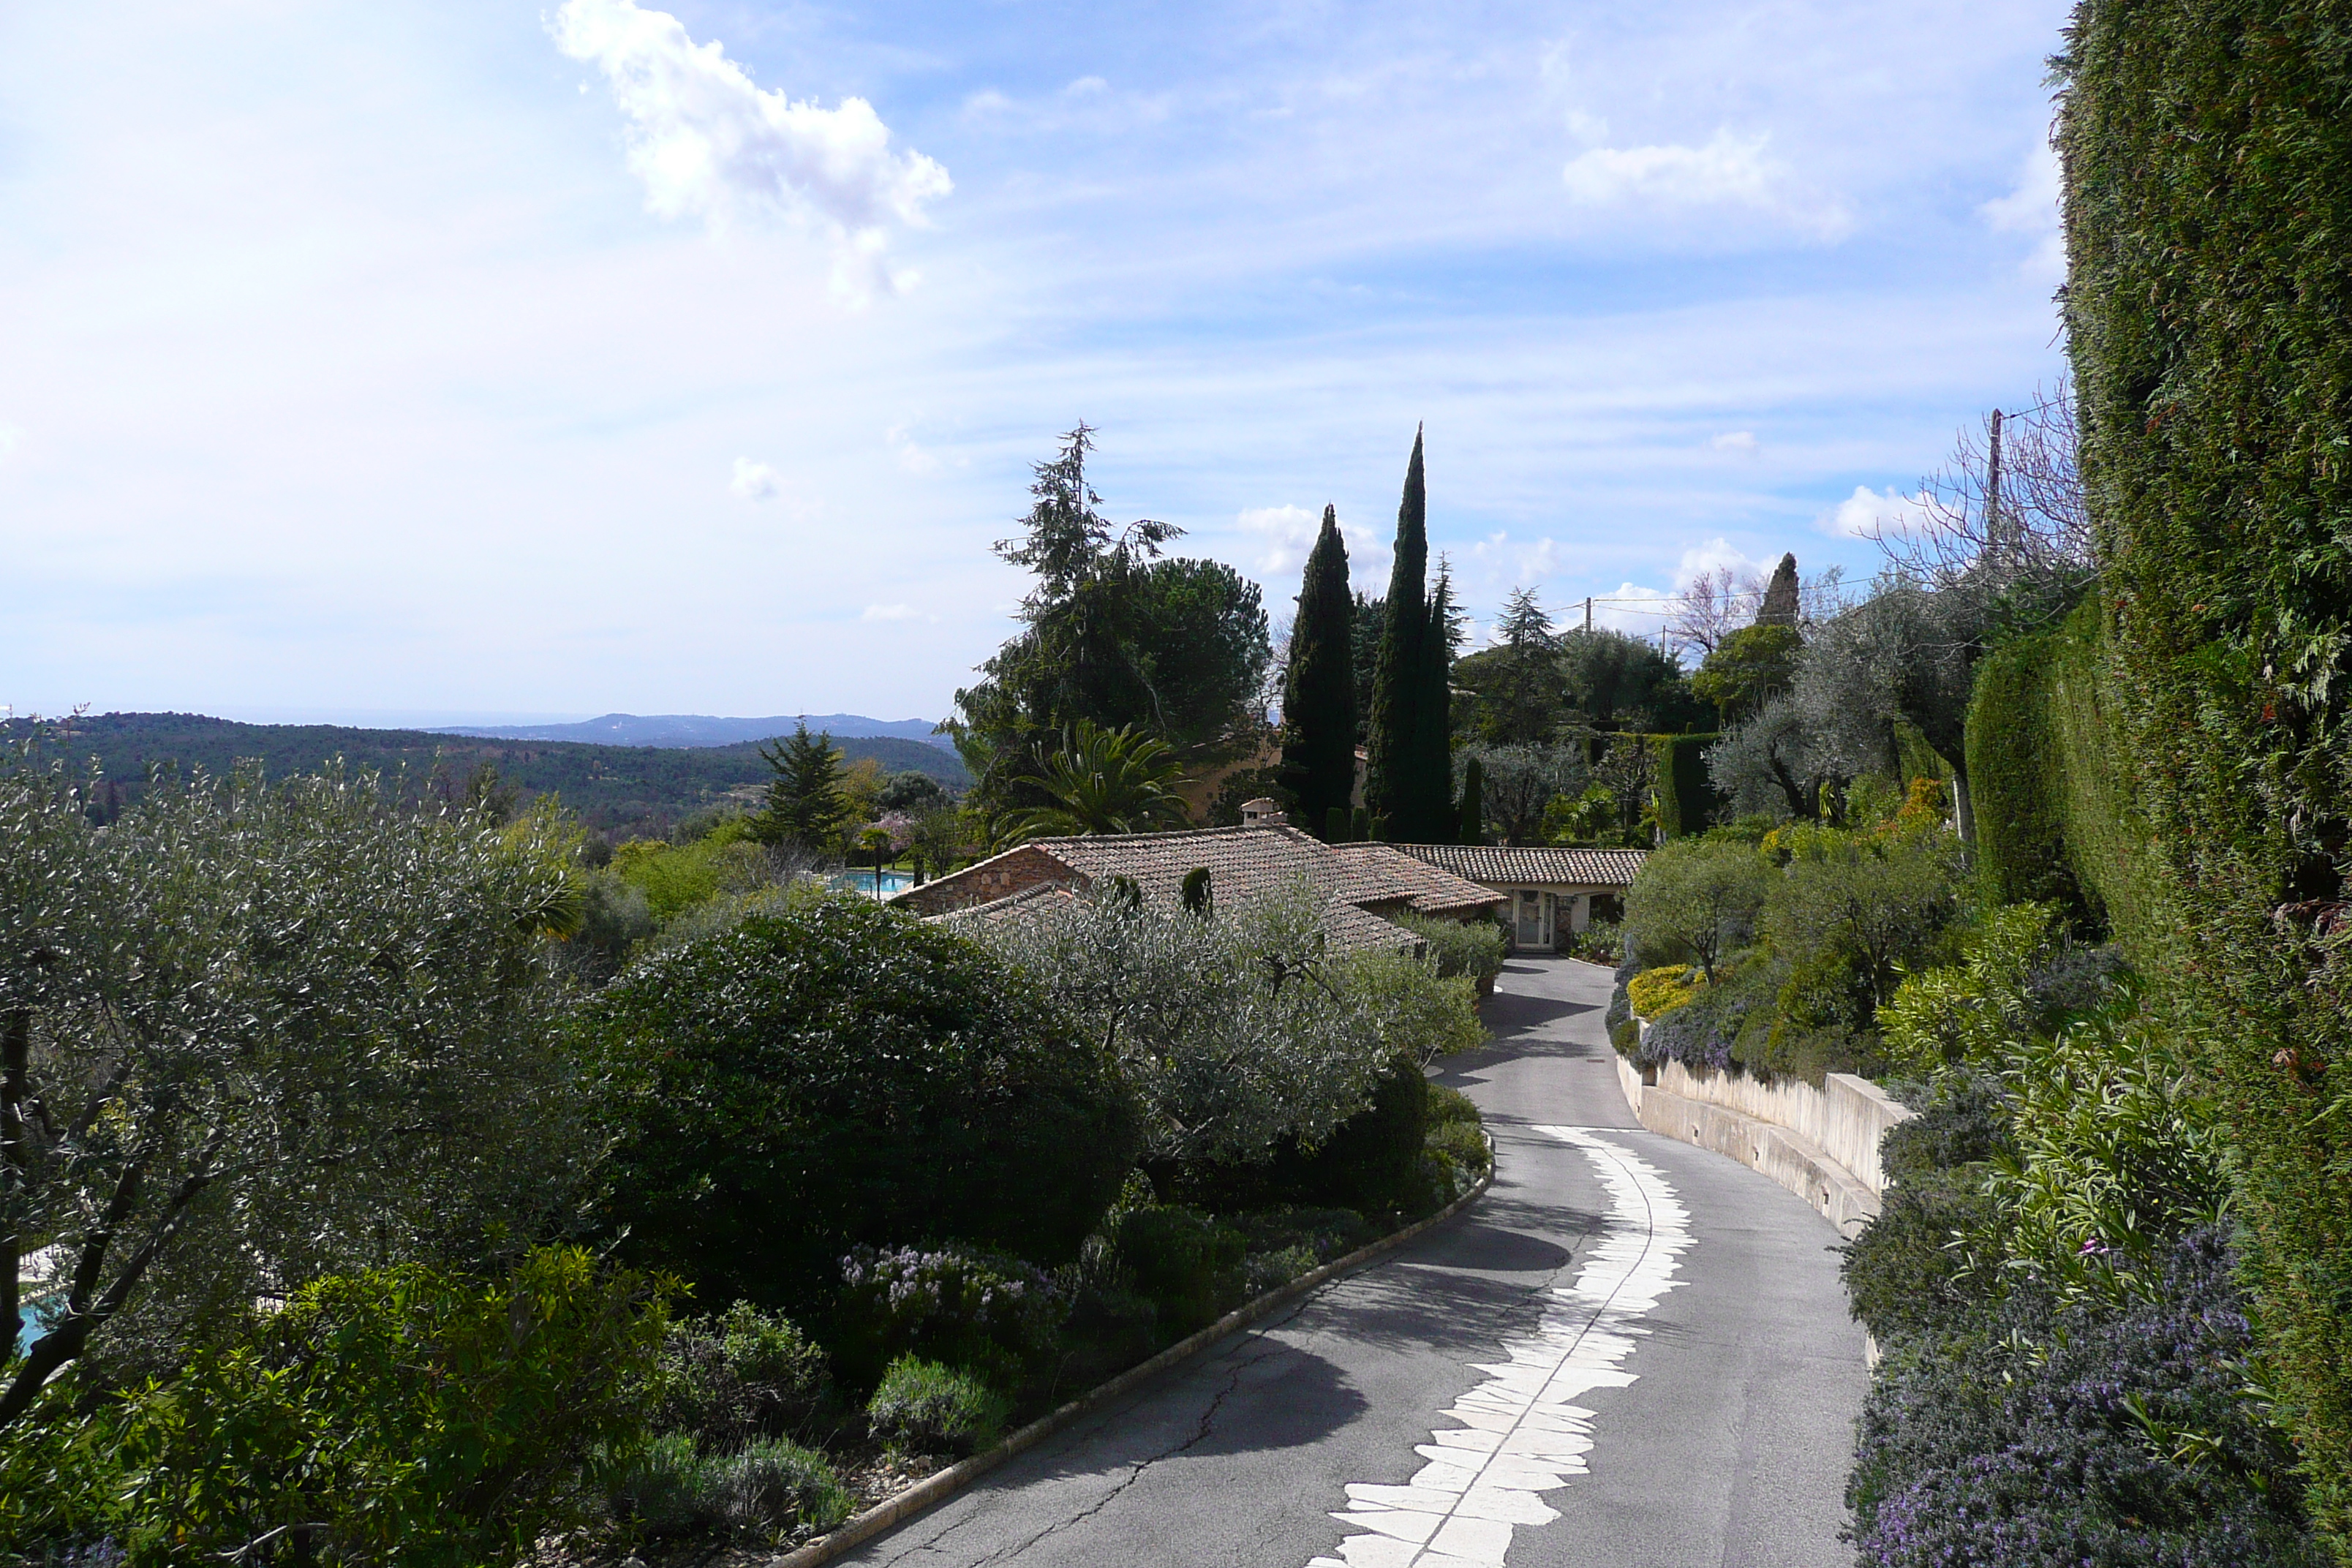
[{"x": 873, "y": 884}]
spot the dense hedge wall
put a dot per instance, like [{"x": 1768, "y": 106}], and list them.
[
  {"x": 1687, "y": 799},
  {"x": 2207, "y": 152},
  {"x": 2014, "y": 772}
]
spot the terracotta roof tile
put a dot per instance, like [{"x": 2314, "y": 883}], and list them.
[
  {"x": 1240, "y": 862},
  {"x": 1531, "y": 864}
]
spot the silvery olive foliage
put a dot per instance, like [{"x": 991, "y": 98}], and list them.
[
  {"x": 255, "y": 1032},
  {"x": 1234, "y": 1026}
]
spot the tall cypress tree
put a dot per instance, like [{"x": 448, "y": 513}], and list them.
[
  {"x": 1318, "y": 691},
  {"x": 1394, "y": 792},
  {"x": 1433, "y": 752}
]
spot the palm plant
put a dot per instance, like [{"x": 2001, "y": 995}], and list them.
[{"x": 1102, "y": 781}]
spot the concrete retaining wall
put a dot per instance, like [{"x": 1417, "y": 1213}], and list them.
[{"x": 1821, "y": 1143}]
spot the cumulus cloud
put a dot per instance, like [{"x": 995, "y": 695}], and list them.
[
  {"x": 757, "y": 481},
  {"x": 1714, "y": 556},
  {"x": 2031, "y": 209},
  {"x": 708, "y": 143},
  {"x": 1631, "y": 608},
  {"x": 1728, "y": 171},
  {"x": 1867, "y": 514},
  {"x": 1288, "y": 531}
]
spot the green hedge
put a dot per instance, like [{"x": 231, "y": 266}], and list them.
[
  {"x": 2209, "y": 304},
  {"x": 1687, "y": 800},
  {"x": 2014, "y": 775}
]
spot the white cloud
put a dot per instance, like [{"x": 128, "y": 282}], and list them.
[
  {"x": 2031, "y": 209},
  {"x": 757, "y": 481},
  {"x": 1740, "y": 441},
  {"x": 890, "y": 613},
  {"x": 1628, "y": 609},
  {"x": 1288, "y": 531},
  {"x": 1728, "y": 171},
  {"x": 1085, "y": 84},
  {"x": 1706, "y": 560},
  {"x": 1867, "y": 514},
  {"x": 708, "y": 143},
  {"x": 10, "y": 437},
  {"x": 914, "y": 459}
]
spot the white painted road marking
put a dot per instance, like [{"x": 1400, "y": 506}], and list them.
[{"x": 1520, "y": 1435}]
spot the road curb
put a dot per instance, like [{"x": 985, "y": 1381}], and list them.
[{"x": 932, "y": 1490}]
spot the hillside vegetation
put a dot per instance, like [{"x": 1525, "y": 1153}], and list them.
[{"x": 617, "y": 790}]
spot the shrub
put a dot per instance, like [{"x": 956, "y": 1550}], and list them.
[
  {"x": 1696, "y": 901},
  {"x": 1414, "y": 1009},
  {"x": 2054, "y": 1436},
  {"x": 740, "y": 1374},
  {"x": 924, "y": 1407},
  {"x": 1601, "y": 941},
  {"x": 1852, "y": 913},
  {"x": 402, "y": 1415},
  {"x": 838, "y": 1074},
  {"x": 1707, "y": 1030},
  {"x": 974, "y": 1310},
  {"x": 1655, "y": 993},
  {"x": 677, "y": 1490},
  {"x": 1971, "y": 1012},
  {"x": 1474, "y": 949},
  {"x": 1232, "y": 1026},
  {"x": 1187, "y": 1264}
]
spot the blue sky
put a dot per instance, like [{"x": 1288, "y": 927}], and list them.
[{"x": 468, "y": 359}]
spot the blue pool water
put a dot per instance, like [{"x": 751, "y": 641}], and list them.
[{"x": 866, "y": 882}]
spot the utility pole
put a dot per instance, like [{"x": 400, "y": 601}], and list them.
[
  {"x": 1588, "y": 614},
  {"x": 1996, "y": 541}
]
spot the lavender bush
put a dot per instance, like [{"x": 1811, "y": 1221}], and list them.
[{"x": 2086, "y": 1436}]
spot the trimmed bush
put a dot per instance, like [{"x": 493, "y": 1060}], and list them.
[
  {"x": 838, "y": 1074},
  {"x": 1686, "y": 797},
  {"x": 2015, "y": 780},
  {"x": 1187, "y": 1264},
  {"x": 926, "y": 1409}
]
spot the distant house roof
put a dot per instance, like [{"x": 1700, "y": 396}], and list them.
[
  {"x": 1360, "y": 882},
  {"x": 1496, "y": 865}
]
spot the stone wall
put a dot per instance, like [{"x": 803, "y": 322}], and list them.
[{"x": 1821, "y": 1143}]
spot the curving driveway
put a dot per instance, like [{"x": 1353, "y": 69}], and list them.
[{"x": 1629, "y": 1352}]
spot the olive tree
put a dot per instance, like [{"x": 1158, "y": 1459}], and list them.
[
  {"x": 251, "y": 1034},
  {"x": 1695, "y": 900},
  {"x": 1233, "y": 1028}
]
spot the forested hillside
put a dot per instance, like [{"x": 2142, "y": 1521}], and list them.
[{"x": 613, "y": 788}]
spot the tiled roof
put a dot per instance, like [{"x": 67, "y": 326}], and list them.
[
  {"x": 1240, "y": 862},
  {"x": 1498, "y": 865}
]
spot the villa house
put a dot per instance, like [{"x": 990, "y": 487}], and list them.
[
  {"x": 1551, "y": 892},
  {"x": 1361, "y": 884}
]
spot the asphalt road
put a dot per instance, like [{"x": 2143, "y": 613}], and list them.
[{"x": 1629, "y": 1352}]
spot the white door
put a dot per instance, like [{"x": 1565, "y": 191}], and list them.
[{"x": 1530, "y": 923}]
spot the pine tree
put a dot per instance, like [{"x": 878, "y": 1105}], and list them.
[
  {"x": 1318, "y": 693},
  {"x": 805, "y": 799},
  {"x": 1433, "y": 753},
  {"x": 1393, "y": 794}
]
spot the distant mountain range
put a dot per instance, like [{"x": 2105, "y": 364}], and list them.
[
  {"x": 701, "y": 730},
  {"x": 621, "y": 790}
]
